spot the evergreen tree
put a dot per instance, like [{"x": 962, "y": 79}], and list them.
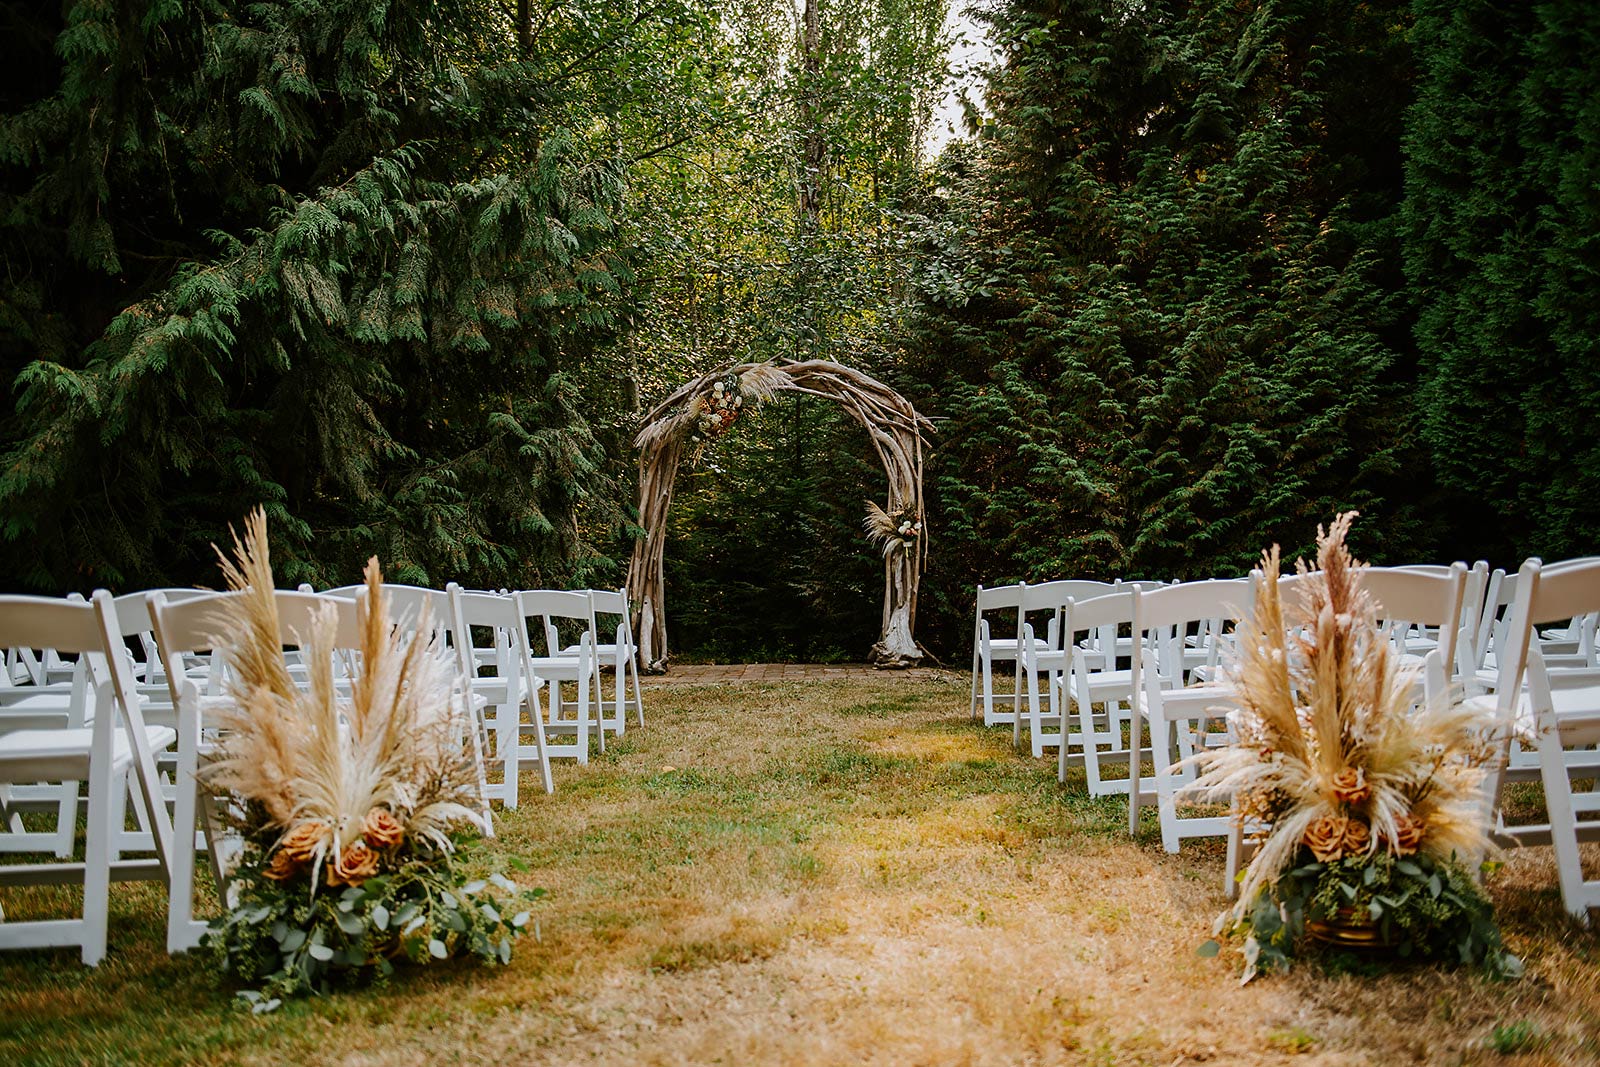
[
  {"x": 352, "y": 259},
  {"x": 1503, "y": 252},
  {"x": 1155, "y": 319}
]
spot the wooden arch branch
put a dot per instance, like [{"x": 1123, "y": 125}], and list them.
[{"x": 896, "y": 431}]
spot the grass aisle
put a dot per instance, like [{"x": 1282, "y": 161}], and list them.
[{"x": 831, "y": 872}]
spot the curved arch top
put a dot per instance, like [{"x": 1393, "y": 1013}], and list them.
[{"x": 896, "y": 430}]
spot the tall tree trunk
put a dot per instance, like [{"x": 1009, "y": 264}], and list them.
[
  {"x": 524, "y": 27},
  {"x": 810, "y": 117}
]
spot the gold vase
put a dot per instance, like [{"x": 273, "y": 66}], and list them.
[{"x": 1346, "y": 928}]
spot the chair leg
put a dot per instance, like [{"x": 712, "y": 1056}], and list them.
[
  {"x": 180, "y": 891},
  {"x": 1135, "y": 772},
  {"x": 1166, "y": 786},
  {"x": 539, "y": 741},
  {"x": 1230, "y": 877},
  {"x": 98, "y": 841},
  {"x": 976, "y": 668},
  {"x": 67, "y": 820},
  {"x": 638, "y": 692},
  {"x": 583, "y": 721},
  {"x": 508, "y": 745},
  {"x": 476, "y": 740}
]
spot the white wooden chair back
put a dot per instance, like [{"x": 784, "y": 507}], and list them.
[{"x": 1413, "y": 601}]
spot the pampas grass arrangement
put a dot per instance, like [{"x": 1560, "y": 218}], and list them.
[
  {"x": 368, "y": 794},
  {"x": 1366, "y": 808}
]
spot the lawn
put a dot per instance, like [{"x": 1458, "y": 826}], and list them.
[{"x": 833, "y": 872}]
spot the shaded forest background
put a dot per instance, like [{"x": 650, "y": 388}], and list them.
[{"x": 1195, "y": 276}]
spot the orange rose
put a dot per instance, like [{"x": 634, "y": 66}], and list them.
[
  {"x": 381, "y": 829},
  {"x": 1407, "y": 836},
  {"x": 1325, "y": 837},
  {"x": 283, "y": 866},
  {"x": 1357, "y": 836},
  {"x": 355, "y": 865},
  {"x": 1350, "y": 786},
  {"x": 302, "y": 843}
]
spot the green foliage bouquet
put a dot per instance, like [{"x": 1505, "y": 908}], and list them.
[
  {"x": 1363, "y": 804},
  {"x": 351, "y": 811}
]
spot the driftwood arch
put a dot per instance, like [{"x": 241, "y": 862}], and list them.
[{"x": 681, "y": 425}]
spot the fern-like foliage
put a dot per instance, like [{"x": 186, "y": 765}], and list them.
[{"x": 345, "y": 258}]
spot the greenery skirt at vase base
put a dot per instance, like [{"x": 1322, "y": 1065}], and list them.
[{"x": 1413, "y": 908}]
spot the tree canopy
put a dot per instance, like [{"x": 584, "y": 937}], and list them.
[{"x": 1197, "y": 276}]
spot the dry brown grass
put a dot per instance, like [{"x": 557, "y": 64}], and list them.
[{"x": 841, "y": 872}]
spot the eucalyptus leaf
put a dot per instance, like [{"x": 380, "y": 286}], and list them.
[{"x": 436, "y": 949}]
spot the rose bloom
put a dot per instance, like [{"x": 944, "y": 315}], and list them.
[
  {"x": 1350, "y": 786},
  {"x": 1357, "y": 836},
  {"x": 283, "y": 866},
  {"x": 1325, "y": 837},
  {"x": 301, "y": 843},
  {"x": 355, "y": 865},
  {"x": 380, "y": 829},
  {"x": 1407, "y": 835}
]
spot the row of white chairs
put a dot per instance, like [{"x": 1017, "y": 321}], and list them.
[
  {"x": 1111, "y": 675},
  {"x": 95, "y": 689}
]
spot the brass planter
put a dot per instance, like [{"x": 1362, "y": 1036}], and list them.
[{"x": 1348, "y": 929}]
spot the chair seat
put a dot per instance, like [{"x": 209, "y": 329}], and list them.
[
  {"x": 1193, "y": 700},
  {"x": 557, "y": 668},
  {"x": 62, "y": 755},
  {"x": 1009, "y": 644},
  {"x": 600, "y": 651}
]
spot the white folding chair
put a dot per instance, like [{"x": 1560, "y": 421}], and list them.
[
  {"x": 101, "y": 752},
  {"x": 551, "y": 607},
  {"x": 1562, "y": 709},
  {"x": 1180, "y": 710},
  {"x": 1101, "y": 690},
  {"x": 621, "y": 653},
  {"x": 987, "y": 650},
  {"x": 510, "y": 686},
  {"x": 1049, "y": 657}
]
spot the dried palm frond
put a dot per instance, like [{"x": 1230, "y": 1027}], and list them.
[{"x": 762, "y": 382}]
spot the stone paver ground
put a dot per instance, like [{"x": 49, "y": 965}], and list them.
[{"x": 723, "y": 673}]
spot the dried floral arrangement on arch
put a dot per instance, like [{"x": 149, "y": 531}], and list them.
[{"x": 694, "y": 414}]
